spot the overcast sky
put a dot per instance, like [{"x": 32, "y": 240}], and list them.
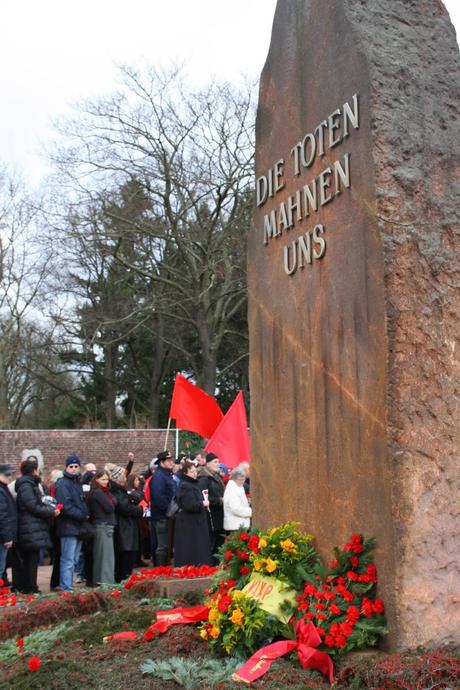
[{"x": 55, "y": 52}]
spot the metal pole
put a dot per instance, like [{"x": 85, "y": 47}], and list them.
[
  {"x": 177, "y": 443},
  {"x": 167, "y": 433}
]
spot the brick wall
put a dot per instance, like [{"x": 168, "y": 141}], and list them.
[{"x": 93, "y": 445}]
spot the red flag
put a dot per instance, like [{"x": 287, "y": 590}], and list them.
[
  {"x": 230, "y": 440},
  {"x": 193, "y": 409}
]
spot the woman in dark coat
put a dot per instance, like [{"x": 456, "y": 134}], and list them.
[
  {"x": 192, "y": 545},
  {"x": 101, "y": 505},
  {"x": 127, "y": 530},
  {"x": 210, "y": 479},
  {"x": 33, "y": 527}
]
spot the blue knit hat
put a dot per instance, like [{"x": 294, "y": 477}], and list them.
[{"x": 72, "y": 460}]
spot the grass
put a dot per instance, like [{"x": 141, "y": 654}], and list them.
[{"x": 79, "y": 660}]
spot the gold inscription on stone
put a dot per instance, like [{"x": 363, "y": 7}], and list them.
[{"x": 317, "y": 192}]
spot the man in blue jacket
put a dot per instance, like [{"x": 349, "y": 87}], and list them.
[
  {"x": 69, "y": 492},
  {"x": 162, "y": 491},
  {"x": 8, "y": 516}
]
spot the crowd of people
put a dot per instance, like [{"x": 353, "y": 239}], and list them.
[{"x": 98, "y": 524}]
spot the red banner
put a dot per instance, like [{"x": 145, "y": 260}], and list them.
[
  {"x": 193, "y": 409},
  {"x": 307, "y": 639},
  {"x": 179, "y": 616}
]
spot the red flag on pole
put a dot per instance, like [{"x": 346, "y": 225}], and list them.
[
  {"x": 193, "y": 409},
  {"x": 230, "y": 440}
]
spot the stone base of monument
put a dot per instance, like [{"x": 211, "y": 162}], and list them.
[{"x": 172, "y": 588}]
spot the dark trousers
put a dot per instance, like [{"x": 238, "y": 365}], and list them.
[
  {"x": 161, "y": 527},
  {"x": 25, "y": 567},
  {"x": 124, "y": 564}
]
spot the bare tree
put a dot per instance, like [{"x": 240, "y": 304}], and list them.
[
  {"x": 191, "y": 154},
  {"x": 23, "y": 269}
]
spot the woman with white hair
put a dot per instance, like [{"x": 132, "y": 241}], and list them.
[{"x": 237, "y": 511}]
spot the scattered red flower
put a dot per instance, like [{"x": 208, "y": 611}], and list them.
[{"x": 34, "y": 663}]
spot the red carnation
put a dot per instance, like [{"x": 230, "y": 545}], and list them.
[
  {"x": 352, "y": 575},
  {"x": 244, "y": 536},
  {"x": 340, "y": 641},
  {"x": 352, "y": 614},
  {"x": 335, "y": 629},
  {"x": 244, "y": 570},
  {"x": 334, "y": 609},
  {"x": 310, "y": 590},
  {"x": 334, "y": 564},
  {"x": 253, "y": 544},
  {"x": 354, "y": 560},
  {"x": 329, "y": 641},
  {"x": 371, "y": 570},
  {"x": 379, "y": 606},
  {"x": 34, "y": 663},
  {"x": 346, "y": 629},
  {"x": 319, "y": 607},
  {"x": 367, "y": 607},
  {"x": 320, "y": 631},
  {"x": 228, "y": 555},
  {"x": 321, "y": 616}
]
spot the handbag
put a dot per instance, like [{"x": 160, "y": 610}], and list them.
[{"x": 172, "y": 509}]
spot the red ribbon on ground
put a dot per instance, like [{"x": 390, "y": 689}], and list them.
[
  {"x": 307, "y": 639},
  {"x": 179, "y": 616}
]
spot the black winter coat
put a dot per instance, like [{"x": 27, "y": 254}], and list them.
[
  {"x": 127, "y": 530},
  {"x": 214, "y": 484},
  {"x": 33, "y": 515},
  {"x": 8, "y": 515},
  {"x": 192, "y": 545},
  {"x": 101, "y": 507}
]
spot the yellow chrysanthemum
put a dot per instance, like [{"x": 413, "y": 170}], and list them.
[
  {"x": 262, "y": 543},
  {"x": 203, "y": 634},
  {"x": 238, "y": 594},
  {"x": 237, "y": 617},
  {"x": 214, "y": 632},
  {"x": 258, "y": 565},
  {"x": 288, "y": 545},
  {"x": 213, "y": 615},
  {"x": 271, "y": 565}
]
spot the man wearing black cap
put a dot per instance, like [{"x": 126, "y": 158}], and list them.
[
  {"x": 162, "y": 491},
  {"x": 8, "y": 516},
  {"x": 209, "y": 479}
]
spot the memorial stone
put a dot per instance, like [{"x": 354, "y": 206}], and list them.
[{"x": 353, "y": 304}]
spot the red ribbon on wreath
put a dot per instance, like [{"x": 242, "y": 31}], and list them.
[
  {"x": 308, "y": 639},
  {"x": 178, "y": 616}
]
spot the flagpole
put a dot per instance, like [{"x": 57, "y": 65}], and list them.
[{"x": 167, "y": 433}]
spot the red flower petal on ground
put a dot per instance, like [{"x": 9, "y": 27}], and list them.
[{"x": 34, "y": 663}]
